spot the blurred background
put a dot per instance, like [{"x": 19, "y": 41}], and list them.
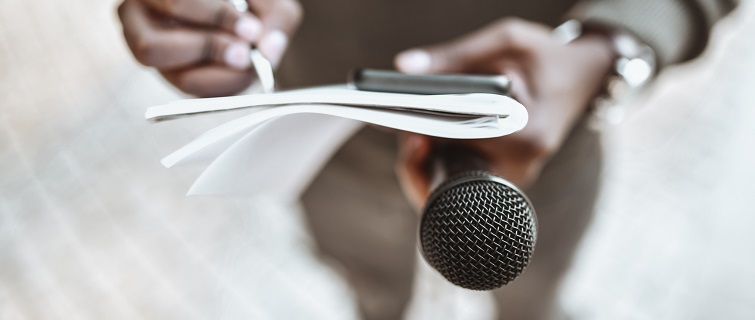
[{"x": 93, "y": 227}]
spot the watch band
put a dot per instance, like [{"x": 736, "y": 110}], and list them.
[{"x": 635, "y": 67}]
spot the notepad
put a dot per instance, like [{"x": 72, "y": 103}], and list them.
[{"x": 286, "y": 137}]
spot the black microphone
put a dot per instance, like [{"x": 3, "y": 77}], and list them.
[{"x": 478, "y": 230}]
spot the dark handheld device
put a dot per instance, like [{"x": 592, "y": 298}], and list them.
[
  {"x": 392, "y": 81},
  {"x": 478, "y": 230}
]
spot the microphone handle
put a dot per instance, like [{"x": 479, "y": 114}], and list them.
[{"x": 447, "y": 160}]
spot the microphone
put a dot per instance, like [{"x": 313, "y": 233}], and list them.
[{"x": 477, "y": 229}]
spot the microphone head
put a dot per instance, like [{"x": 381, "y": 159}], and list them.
[{"x": 478, "y": 230}]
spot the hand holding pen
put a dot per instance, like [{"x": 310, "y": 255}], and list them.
[{"x": 203, "y": 47}]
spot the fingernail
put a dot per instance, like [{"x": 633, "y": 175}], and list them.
[
  {"x": 273, "y": 45},
  {"x": 237, "y": 55},
  {"x": 414, "y": 61},
  {"x": 248, "y": 28}
]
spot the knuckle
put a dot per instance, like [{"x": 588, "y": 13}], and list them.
[
  {"x": 292, "y": 9},
  {"x": 537, "y": 147},
  {"x": 144, "y": 50},
  {"x": 185, "y": 84},
  {"x": 214, "y": 48},
  {"x": 171, "y": 7},
  {"x": 510, "y": 22},
  {"x": 511, "y": 30},
  {"x": 185, "y": 87},
  {"x": 224, "y": 16},
  {"x": 121, "y": 10}
]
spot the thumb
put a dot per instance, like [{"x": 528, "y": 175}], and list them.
[
  {"x": 280, "y": 20},
  {"x": 465, "y": 53}
]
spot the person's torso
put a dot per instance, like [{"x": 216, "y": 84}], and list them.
[{"x": 338, "y": 35}]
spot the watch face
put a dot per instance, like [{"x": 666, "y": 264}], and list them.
[{"x": 636, "y": 71}]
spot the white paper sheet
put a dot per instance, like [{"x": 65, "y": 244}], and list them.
[
  {"x": 270, "y": 160},
  {"x": 466, "y": 104},
  {"x": 428, "y": 124},
  {"x": 287, "y": 137}
]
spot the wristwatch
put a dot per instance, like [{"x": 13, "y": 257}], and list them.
[{"x": 635, "y": 67}]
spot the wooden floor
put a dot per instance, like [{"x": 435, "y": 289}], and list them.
[{"x": 93, "y": 227}]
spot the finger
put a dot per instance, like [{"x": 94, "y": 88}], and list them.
[
  {"x": 211, "y": 13},
  {"x": 283, "y": 15},
  {"x": 507, "y": 36},
  {"x": 171, "y": 48},
  {"x": 175, "y": 48},
  {"x": 280, "y": 18},
  {"x": 210, "y": 81},
  {"x": 414, "y": 150},
  {"x": 137, "y": 28}
]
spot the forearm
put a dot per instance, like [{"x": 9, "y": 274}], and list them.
[{"x": 677, "y": 30}]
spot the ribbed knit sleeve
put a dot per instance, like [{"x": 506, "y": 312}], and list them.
[{"x": 677, "y": 30}]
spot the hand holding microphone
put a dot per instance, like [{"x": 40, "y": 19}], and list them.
[{"x": 477, "y": 229}]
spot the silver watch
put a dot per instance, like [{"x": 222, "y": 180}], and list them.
[{"x": 635, "y": 67}]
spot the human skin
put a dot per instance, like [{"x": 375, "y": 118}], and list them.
[
  {"x": 202, "y": 48},
  {"x": 556, "y": 82}
]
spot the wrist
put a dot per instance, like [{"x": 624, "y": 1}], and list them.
[
  {"x": 633, "y": 68},
  {"x": 602, "y": 57}
]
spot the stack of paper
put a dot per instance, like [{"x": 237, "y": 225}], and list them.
[{"x": 288, "y": 136}]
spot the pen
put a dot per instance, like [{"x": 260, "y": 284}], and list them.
[{"x": 261, "y": 65}]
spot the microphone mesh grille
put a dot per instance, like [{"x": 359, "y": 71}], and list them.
[{"x": 479, "y": 234}]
